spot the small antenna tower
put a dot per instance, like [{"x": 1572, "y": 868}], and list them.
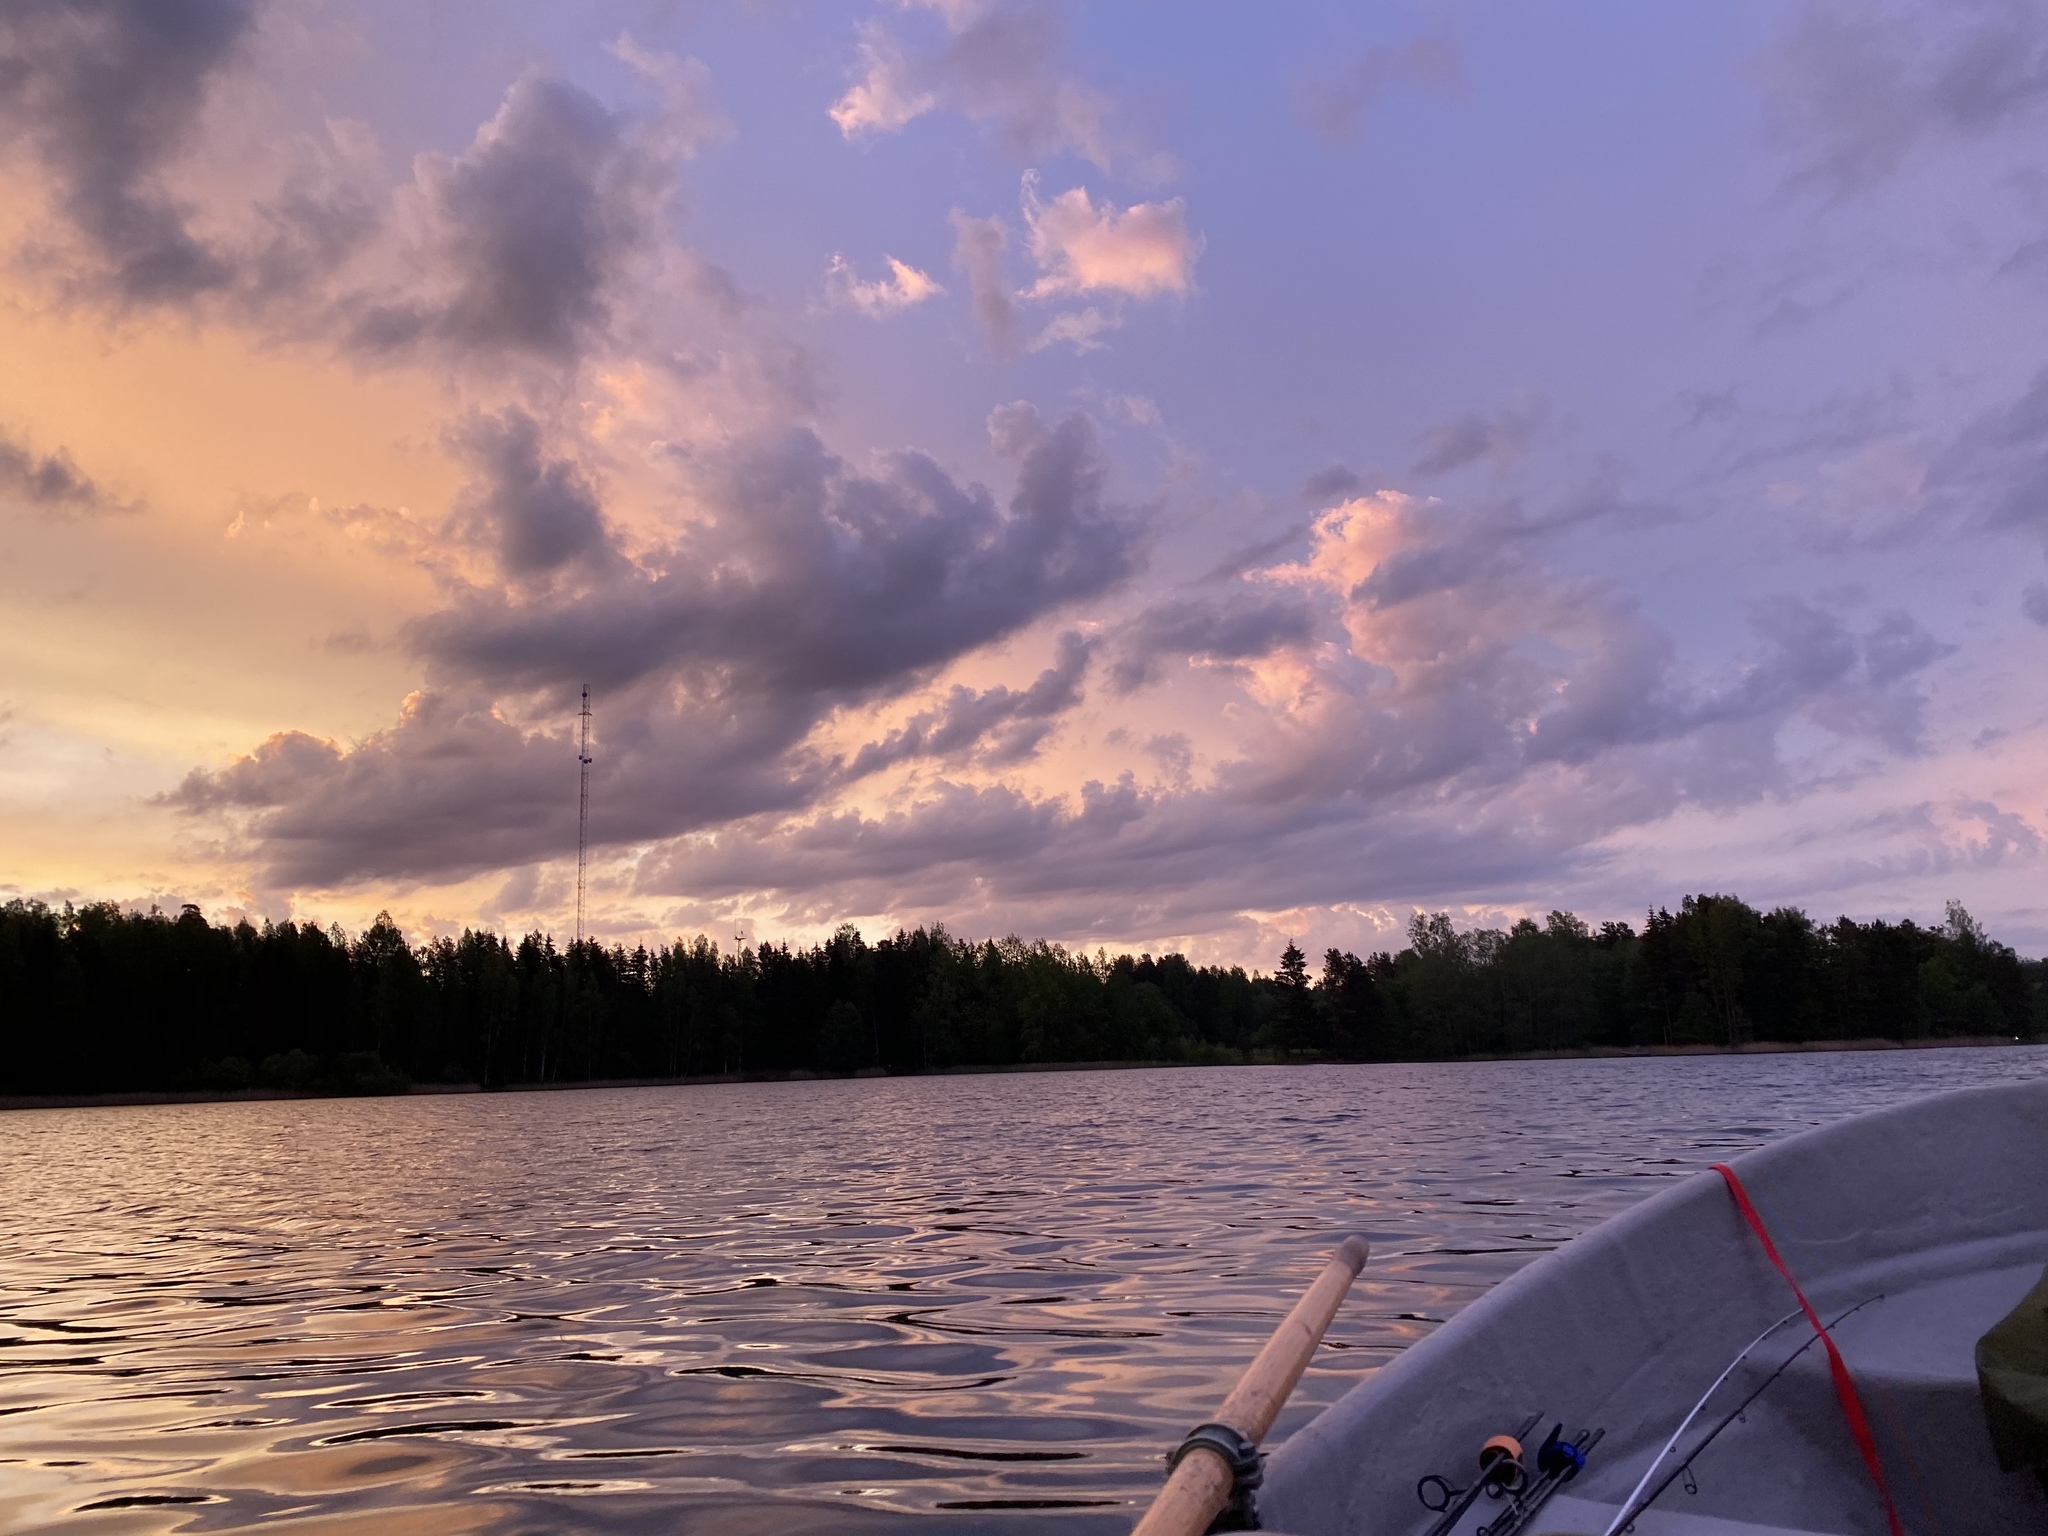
[{"x": 582, "y": 810}]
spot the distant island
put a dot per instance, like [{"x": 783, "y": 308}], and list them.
[{"x": 102, "y": 1000}]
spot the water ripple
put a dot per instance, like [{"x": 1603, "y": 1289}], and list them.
[{"x": 987, "y": 1304}]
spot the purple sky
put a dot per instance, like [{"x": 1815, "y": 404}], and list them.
[{"x": 1152, "y": 475}]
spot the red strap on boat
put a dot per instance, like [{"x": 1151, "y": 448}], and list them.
[{"x": 1845, "y": 1388}]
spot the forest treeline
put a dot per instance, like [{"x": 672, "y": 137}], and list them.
[{"x": 100, "y": 999}]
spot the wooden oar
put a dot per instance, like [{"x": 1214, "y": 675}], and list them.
[{"x": 1200, "y": 1486}]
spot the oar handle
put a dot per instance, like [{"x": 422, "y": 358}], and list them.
[{"x": 1200, "y": 1486}]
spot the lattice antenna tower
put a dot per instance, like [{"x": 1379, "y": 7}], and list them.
[{"x": 582, "y": 809}]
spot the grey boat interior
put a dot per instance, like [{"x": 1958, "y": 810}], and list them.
[{"x": 1925, "y": 1224}]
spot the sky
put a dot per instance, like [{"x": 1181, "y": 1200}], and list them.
[{"x": 1157, "y": 476}]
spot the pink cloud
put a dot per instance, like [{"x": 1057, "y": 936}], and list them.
[{"x": 1145, "y": 251}]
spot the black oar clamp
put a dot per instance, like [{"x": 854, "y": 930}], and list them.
[{"x": 1247, "y": 1471}]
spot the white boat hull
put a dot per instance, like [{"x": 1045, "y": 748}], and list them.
[{"x": 1939, "y": 1207}]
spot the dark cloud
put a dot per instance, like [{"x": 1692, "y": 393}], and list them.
[
  {"x": 999, "y": 726},
  {"x": 108, "y": 92},
  {"x": 2034, "y": 603},
  {"x": 1398, "y": 794},
  {"x": 1858, "y": 89},
  {"x": 1811, "y": 661},
  {"x": 972, "y": 829},
  {"x": 51, "y": 483},
  {"x": 1473, "y": 436},
  {"x": 1806, "y": 649},
  {"x": 536, "y": 514},
  {"x": 805, "y": 587},
  {"x": 1238, "y": 628},
  {"x": 1114, "y": 859},
  {"x": 1876, "y": 703},
  {"x": 1487, "y": 725},
  {"x": 811, "y": 577},
  {"x": 1623, "y": 690},
  {"x": 455, "y": 787},
  {"x": 1336, "y": 105},
  {"x": 525, "y": 246},
  {"x": 528, "y": 231}
]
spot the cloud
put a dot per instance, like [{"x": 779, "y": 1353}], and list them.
[
  {"x": 1337, "y": 483},
  {"x": 1484, "y": 730},
  {"x": 1003, "y": 69},
  {"x": 132, "y": 110},
  {"x": 174, "y": 179},
  {"x": 1857, "y": 90},
  {"x": 1079, "y": 329},
  {"x": 978, "y": 246},
  {"x": 520, "y": 241},
  {"x": 52, "y": 483},
  {"x": 809, "y": 576},
  {"x": 1479, "y": 659},
  {"x": 1872, "y": 704},
  {"x": 1000, "y": 725},
  {"x": 904, "y": 287},
  {"x": 1337, "y": 104},
  {"x": 401, "y": 802},
  {"x": 1241, "y": 627},
  {"x": 1898, "y": 647},
  {"x": 689, "y": 117},
  {"x": 803, "y": 587},
  {"x": 1143, "y": 252},
  {"x": 887, "y": 96},
  {"x": 792, "y": 642},
  {"x": 108, "y": 94},
  {"x": 1476, "y": 720},
  {"x": 536, "y": 515},
  {"x": 1455, "y": 609},
  {"x": 1993, "y": 475},
  {"x": 1418, "y": 704},
  {"x": 1468, "y": 438},
  {"x": 1111, "y": 860},
  {"x": 2034, "y": 603}
]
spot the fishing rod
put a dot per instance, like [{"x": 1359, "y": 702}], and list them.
[
  {"x": 1558, "y": 1461},
  {"x": 1500, "y": 1472},
  {"x": 1686, "y": 1423},
  {"x": 1502, "y": 1475},
  {"x": 1635, "y": 1505}
]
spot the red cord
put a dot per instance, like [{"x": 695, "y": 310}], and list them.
[{"x": 1845, "y": 1388}]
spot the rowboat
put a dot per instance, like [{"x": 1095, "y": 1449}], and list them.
[{"x": 1794, "y": 1344}]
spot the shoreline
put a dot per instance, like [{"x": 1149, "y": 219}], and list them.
[
  {"x": 1764, "y": 1048},
  {"x": 145, "y": 1097}
]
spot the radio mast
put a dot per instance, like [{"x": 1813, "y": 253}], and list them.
[{"x": 582, "y": 810}]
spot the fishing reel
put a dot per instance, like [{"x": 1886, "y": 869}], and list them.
[
  {"x": 1501, "y": 1473},
  {"x": 1507, "y": 1472}
]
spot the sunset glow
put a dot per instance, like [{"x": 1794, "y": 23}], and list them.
[{"x": 1139, "y": 476}]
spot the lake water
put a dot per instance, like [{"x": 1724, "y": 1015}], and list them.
[{"x": 963, "y": 1304}]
